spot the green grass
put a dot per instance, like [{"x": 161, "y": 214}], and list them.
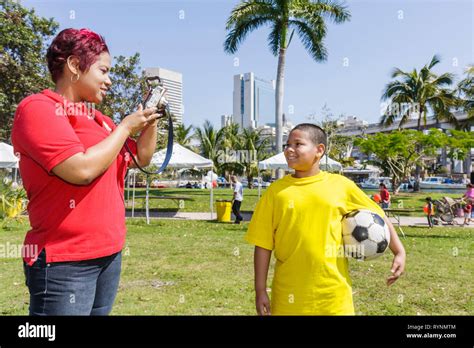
[
  {"x": 175, "y": 267},
  {"x": 200, "y": 202}
]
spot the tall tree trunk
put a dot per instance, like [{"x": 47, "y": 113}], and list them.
[
  {"x": 467, "y": 164},
  {"x": 279, "y": 92},
  {"x": 280, "y": 84},
  {"x": 416, "y": 185}
]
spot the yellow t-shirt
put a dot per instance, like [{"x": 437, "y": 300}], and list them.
[{"x": 300, "y": 220}]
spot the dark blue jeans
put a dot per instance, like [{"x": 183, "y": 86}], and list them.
[
  {"x": 236, "y": 210},
  {"x": 73, "y": 288}
]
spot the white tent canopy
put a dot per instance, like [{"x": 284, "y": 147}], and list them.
[
  {"x": 279, "y": 162},
  {"x": 181, "y": 158},
  {"x": 7, "y": 156}
]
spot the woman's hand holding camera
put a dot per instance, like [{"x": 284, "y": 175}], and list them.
[{"x": 140, "y": 119}]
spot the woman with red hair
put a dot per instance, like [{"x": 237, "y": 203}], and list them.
[{"x": 73, "y": 162}]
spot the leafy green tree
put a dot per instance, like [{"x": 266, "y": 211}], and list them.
[
  {"x": 460, "y": 143},
  {"x": 341, "y": 149},
  {"x": 397, "y": 153},
  {"x": 128, "y": 86},
  {"x": 23, "y": 67},
  {"x": 308, "y": 18}
]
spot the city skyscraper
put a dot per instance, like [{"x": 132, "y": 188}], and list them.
[{"x": 254, "y": 101}]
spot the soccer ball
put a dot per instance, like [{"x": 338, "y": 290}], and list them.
[{"x": 365, "y": 234}]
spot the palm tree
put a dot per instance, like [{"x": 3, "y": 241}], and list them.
[
  {"x": 210, "y": 140},
  {"x": 305, "y": 16},
  {"x": 465, "y": 90},
  {"x": 231, "y": 141},
  {"x": 183, "y": 135},
  {"x": 254, "y": 146},
  {"x": 420, "y": 92}
]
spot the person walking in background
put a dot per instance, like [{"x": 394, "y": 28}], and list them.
[
  {"x": 238, "y": 198},
  {"x": 429, "y": 210},
  {"x": 385, "y": 196},
  {"x": 469, "y": 198},
  {"x": 467, "y": 211},
  {"x": 469, "y": 194}
]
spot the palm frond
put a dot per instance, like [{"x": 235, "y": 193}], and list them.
[
  {"x": 241, "y": 29},
  {"x": 445, "y": 79},
  {"x": 394, "y": 88},
  {"x": 435, "y": 60},
  {"x": 311, "y": 39},
  {"x": 274, "y": 38},
  {"x": 248, "y": 9},
  {"x": 334, "y": 11},
  {"x": 396, "y": 72}
]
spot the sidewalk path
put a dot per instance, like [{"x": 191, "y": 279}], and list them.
[{"x": 404, "y": 220}]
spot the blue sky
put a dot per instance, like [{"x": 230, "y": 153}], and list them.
[{"x": 188, "y": 36}]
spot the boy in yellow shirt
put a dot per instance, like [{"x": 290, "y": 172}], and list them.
[{"x": 299, "y": 218}]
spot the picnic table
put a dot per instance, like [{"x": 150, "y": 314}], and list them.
[{"x": 396, "y": 213}]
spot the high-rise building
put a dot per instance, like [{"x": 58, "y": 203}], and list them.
[
  {"x": 173, "y": 82},
  {"x": 269, "y": 130},
  {"x": 226, "y": 120},
  {"x": 254, "y": 101}
]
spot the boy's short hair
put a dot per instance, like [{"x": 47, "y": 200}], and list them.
[
  {"x": 316, "y": 133},
  {"x": 428, "y": 199}
]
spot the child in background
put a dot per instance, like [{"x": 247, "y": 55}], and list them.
[
  {"x": 299, "y": 218},
  {"x": 384, "y": 196},
  {"x": 467, "y": 211},
  {"x": 429, "y": 211},
  {"x": 237, "y": 199},
  {"x": 469, "y": 196}
]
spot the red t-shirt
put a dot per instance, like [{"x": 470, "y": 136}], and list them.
[
  {"x": 385, "y": 195},
  {"x": 73, "y": 222}
]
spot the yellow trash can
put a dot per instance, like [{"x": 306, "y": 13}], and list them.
[{"x": 223, "y": 208}]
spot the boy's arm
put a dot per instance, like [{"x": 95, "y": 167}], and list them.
[
  {"x": 261, "y": 262},
  {"x": 396, "y": 246}
]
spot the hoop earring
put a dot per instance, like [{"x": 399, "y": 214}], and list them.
[{"x": 74, "y": 81}]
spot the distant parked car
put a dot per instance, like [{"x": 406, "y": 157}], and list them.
[
  {"x": 255, "y": 183},
  {"x": 262, "y": 184}
]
